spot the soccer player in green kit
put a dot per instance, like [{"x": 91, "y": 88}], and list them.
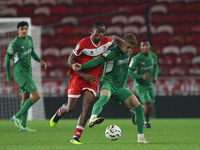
[
  {"x": 143, "y": 69},
  {"x": 112, "y": 84},
  {"x": 21, "y": 49}
]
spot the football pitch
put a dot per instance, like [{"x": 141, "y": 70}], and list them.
[{"x": 165, "y": 134}]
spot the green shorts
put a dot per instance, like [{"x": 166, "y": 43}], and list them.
[
  {"x": 145, "y": 93},
  {"x": 26, "y": 83},
  {"x": 120, "y": 94}
]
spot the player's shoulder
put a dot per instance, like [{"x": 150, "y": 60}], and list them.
[
  {"x": 137, "y": 56},
  {"x": 153, "y": 54},
  {"x": 29, "y": 37},
  {"x": 106, "y": 39},
  {"x": 15, "y": 41}
]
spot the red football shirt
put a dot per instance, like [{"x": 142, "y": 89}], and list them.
[{"x": 86, "y": 50}]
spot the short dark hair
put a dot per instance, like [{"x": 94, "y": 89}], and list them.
[
  {"x": 21, "y": 24},
  {"x": 97, "y": 24},
  {"x": 144, "y": 40}
]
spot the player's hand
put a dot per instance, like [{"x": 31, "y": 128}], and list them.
[
  {"x": 154, "y": 80},
  {"x": 90, "y": 78},
  {"x": 76, "y": 66},
  {"x": 145, "y": 76},
  {"x": 43, "y": 64},
  {"x": 9, "y": 79}
]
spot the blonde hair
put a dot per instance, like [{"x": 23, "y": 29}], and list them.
[{"x": 130, "y": 38}]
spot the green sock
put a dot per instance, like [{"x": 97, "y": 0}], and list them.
[
  {"x": 24, "y": 117},
  {"x": 98, "y": 106},
  {"x": 146, "y": 119},
  {"x": 139, "y": 118},
  {"x": 24, "y": 108}
]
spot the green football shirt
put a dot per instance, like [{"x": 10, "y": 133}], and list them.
[
  {"x": 141, "y": 64},
  {"x": 116, "y": 67},
  {"x": 21, "y": 50}
]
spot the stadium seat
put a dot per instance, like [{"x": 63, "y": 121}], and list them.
[
  {"x": 164, "y": 2},
  {"x": 164, "y": 29},
  {"x": 64, "y": 30},
  {"x": 177, "y": 8},
  {"x": 81, "y": 31},
  {"x": 156, "y": 19},
  {"x": 48, "y": 3},
  {"x": 42, "y": 11},
  {"x": 170, "y": 50},
  {"x": 53, "y": 19},
  {"x": 189, "y": 18},
  {"x": 167, "y": 59},
  {"x": 31, "y": 3},
  {"x": 59, "y": 10},
  {"x": 14, "y": 3},
  {"x": 188, "y": 49},
  {"x": 136, "y": 20},
  {"x": 65, "y": 52},
  {"x": 131, "y": 29},
  {"x": 98, "y": 2},
  {"x": 81, "y": 2},
  {"x": 183, "y": 29},
  {"x": 196, "y": 60},
  {"x": 157, "y": 48},
  {"x": 38, "y": 19},
  {"x": 70, "y": 20},
  {"x": 48, "y": 31},
  {"x": 143, "y": 30},
  {"x": 160, "y": 9},
  {"x": 171, "y": 18},
  {"x": 72, "y": 41},
  {"x": 27, "y": 11},
  {"x": 116, "y": 30},
  {"x": 9, "y": 12},
  {"x": 63, "y": 61},
  {"x": 180, "y": 70},
  {"x": 46, "y": 41},
  {"x": 64, "y": 3},
  {"x": 120, "y": 20},
  {"x": 51, "y": 51}
]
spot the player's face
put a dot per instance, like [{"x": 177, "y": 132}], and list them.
[
  {"x": 23, "y": 31},
  {"x": 98, "y": 33},
  {"x": 145, "y": 48},
  {"x": 127, "y": 47}
]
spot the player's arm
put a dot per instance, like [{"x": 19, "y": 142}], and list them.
[
  {"x": 117, "y": 39},
  {"x": 9, "y": 55},
  {"x": 133, "y": 67},
  {"x": 7, "y": 63},
  {"x": 71, "y": 60},
  {"x": 36, "y": 57},
  {"x": 155, "y": 71}
]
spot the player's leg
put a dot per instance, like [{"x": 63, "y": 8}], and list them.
[
  {"x": 98, "y": 106},
  {"x": 148, "y": 106},
  {"x": 133, "y": 103},
  {"x": 65, "y": 108},
  {"x": 88, "y": 100},
  {"x": 24, "y": 116},
  {"x": 27, "y": 85}
]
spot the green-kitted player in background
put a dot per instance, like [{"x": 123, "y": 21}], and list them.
[
  {"x": 143, "y": 69},
  {"x": 21, "y": 49},
  {"x": 113, "y": 82}
]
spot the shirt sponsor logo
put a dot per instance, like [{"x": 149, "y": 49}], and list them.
[
  {"x": 10, "y": 50},
  {"x": 22, "y": 47},
  {"x": 143, "y": 63},
  {"x": 147, "y": 68},
  {"x": 123, "y": 61},
  {"x": 27, "y": 52}
]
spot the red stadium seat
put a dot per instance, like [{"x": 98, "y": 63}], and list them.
[
  {"x": 70, "y": 20},
  {"x": 81, "y": 31},
  {"x": 138, "y": 20},
  {"x": 164, "y": 2},
  {"x": 42, "y": 11},
  {"x": 196, "y": 60},
  {"x": 168, "y": 50},
  {"x": 131, "y": 29},
  {"x": 177, "y": 8},
  {"x": 116, "y": 30},
  {"x": 157, "y": 48},
  {"x": 48, "y": 3},
  {"x": 143, "y": 30},
  {"x": 50, "y": 60},
  {"x": 164, "y": 70},
  {"x": 14, "y": 4},
  {"x": 51, "y": 51},
  {"x": 184, "y": 59},
  {"x": 39, "y": 20},
  {"x": 194, "y": 70},
  {"x": 9, "y": 12},
  {"x": 188, "y": 49},
  {"x": 181, "y": 70},
  {"x": 52, "y": 19},
  {"x": 59, "y": 72},
  {"x": 165, "y": 29},
  {"x": 59, "y": 10},
  {"x": 64, "y": 3},
  {"x": 66, "y": 51},
  {"x": 120, "y": 20},
  {"x": 160, "y": 9}
]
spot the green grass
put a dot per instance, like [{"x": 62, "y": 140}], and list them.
[{"x": 166, "y": 134}]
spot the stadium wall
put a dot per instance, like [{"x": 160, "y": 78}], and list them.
[{"x": 165, "y": 107}]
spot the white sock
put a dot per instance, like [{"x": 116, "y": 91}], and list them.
[
  {"x": 140, "y": 136},
  {"x": 92, "y": 117}
]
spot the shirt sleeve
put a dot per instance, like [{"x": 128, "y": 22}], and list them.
[
  {"x": 133, "y": 69},
  {"x": 109, "y": 54},
  {"x": 78, "y": 49},
  {"x": 35, "y": 56},
  {"x": 155, "y": 69},
  {"x": 92, "y": 63}
]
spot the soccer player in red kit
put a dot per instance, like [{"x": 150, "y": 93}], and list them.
[{"x": 84, "y": 82}]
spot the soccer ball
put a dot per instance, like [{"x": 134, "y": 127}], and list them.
[{"x": 113, "y": 132}]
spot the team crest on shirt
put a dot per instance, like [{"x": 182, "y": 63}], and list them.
[
  {"x": 104, "y": 48},
  {"x": 91, "y": 52}
]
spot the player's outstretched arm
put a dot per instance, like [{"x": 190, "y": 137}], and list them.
[
  {"x": 7, "y": 63},
  {"x": 117, "y": 39}
]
